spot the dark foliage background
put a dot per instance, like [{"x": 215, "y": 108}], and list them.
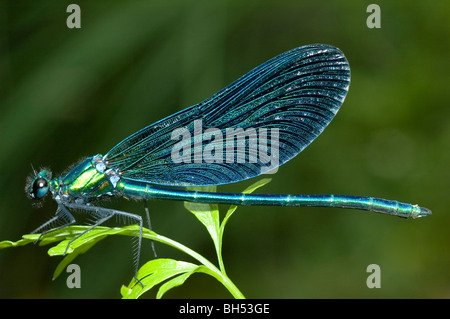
[{"x": 69, "y": 93}]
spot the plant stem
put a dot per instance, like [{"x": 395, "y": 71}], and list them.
[{"x": 219, "y": 275}]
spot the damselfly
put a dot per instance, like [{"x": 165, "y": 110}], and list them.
[{"x": 291, "y": 98}]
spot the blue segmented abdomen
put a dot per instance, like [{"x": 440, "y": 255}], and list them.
[{"x": 138, "y": 190}]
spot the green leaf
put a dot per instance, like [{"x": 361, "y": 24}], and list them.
[
  {"x": 172, "y": 283},
  {"x": 69, "y": 258},
  {"x": 248, "y": 190},
  {"x": 54, "y": 236},
  {"x": 91, "y": 237},
  {"x": 153, "y": 273},
  {"x": 262, "y": 182},
  {"x": 26, "y": 239},
  {"x": 179, "y": 280},
  {"x": 207, "y": 214}
]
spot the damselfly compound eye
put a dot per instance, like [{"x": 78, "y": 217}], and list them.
[{"x": 40, "y": 188}]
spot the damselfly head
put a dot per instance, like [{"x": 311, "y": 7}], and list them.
[{"x": 38, "y": 185}]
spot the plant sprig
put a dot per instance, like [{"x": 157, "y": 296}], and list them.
[{"x": 168, "y": 272}]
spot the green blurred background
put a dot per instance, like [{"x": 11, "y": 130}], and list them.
[{"x": 69, "y": 93}]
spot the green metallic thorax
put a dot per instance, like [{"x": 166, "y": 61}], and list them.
[{"x": 85, "y": 182}]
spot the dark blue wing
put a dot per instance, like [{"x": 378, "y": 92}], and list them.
[{"x": 274, "y": 111}]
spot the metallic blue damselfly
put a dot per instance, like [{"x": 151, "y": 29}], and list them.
[{"x": 291, "y": 98}]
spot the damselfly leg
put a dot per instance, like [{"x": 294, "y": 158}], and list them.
[
  {"x": 100, "y": 215},
  {"x": 62, "y": 213},
  {"x": 147, "y": 214},
  {"x": 104, "y": 214}
]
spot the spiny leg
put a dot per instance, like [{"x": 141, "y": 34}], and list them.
[
  {"x": 105, "y": 214},
  {"x": 147, "y": 213},
  {"x": 97, "y": 223},
  {"x": 61, "y": 213}
]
